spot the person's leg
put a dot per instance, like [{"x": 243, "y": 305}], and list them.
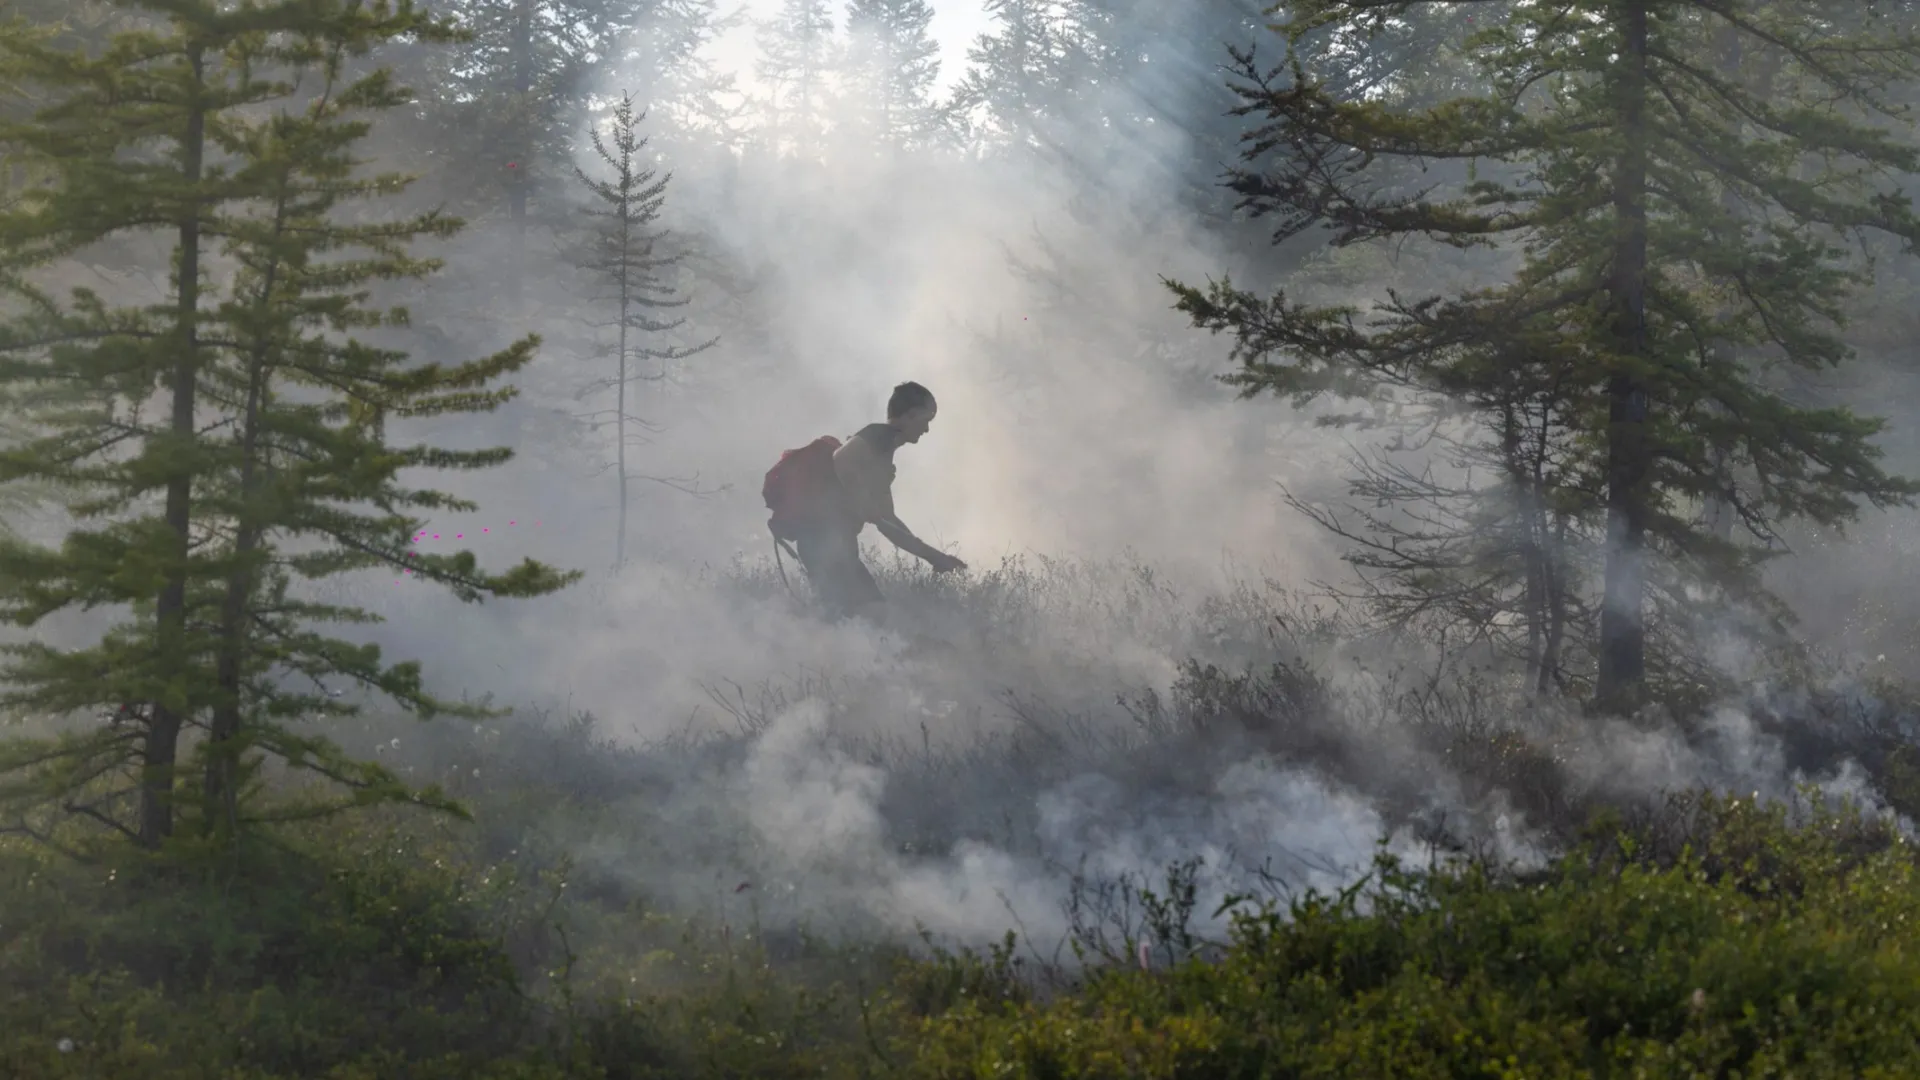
[
  {"x": 862, "y": 594},
  {"x": 807, "y": 551},
  {"x": 840, "y": 580}
]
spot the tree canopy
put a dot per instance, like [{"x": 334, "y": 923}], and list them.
[{"x": 1658, "y": 206}]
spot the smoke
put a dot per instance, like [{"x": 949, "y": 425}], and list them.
[
  {"x": 962, "y": 769},
  {"x": 966, "y": 768},
  {"x": 821, "y": 811},
  {"x": 1851, "y": 587}
]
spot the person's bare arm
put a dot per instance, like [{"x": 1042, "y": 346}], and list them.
[{"x": 865, "y": 478}]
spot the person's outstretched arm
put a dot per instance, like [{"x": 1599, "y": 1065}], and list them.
[{"x": 865, "y": 478}]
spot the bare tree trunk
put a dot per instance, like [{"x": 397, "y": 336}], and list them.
[
  {"x": 170, "y": 608},
  {"x": 1550, "y": 663},
  {"x": 1536, "y": 601},
  {"x": 1531, "y": 523},
  {"x": 620, "y": 397},
  {"x": 1623, "y": 636},
  {"x": 521, "y": 166},
  {"x": 1552, "y": 536},
  {"x": 804, "y": 143}
]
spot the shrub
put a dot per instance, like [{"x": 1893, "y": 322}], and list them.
[
  {"x": 290, "y": 961},
  {"x": 1771, "y": 949}
]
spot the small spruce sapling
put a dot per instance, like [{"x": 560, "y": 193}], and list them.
[{"x": 626, "y": 253}]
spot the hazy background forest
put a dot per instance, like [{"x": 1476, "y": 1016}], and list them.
[{"x": 1245, "y": 608}]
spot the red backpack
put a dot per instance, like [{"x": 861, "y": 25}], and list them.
[{"x": 801, "y": 488}]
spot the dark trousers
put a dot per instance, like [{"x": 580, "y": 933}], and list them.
[{"x": 831, "y": 558}]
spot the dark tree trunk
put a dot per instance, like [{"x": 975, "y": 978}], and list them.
[
  {"x": 221, "y": 794},
  {"x": 519, "y": 177},
  {"x": 1531, "y": 525},
  {"x": 626, "y": 308},
  {"x": 1623, "y": 633},
  {"x": 1549, "y": 675},
  {"x": 1719, "y": 508},
  {"x": 170, "y": 609}
]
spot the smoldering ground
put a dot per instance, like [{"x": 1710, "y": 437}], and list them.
[
  {"x": 1016, "y": 744},
  {"x": 1029, "y": 774},
  {"x": 1061, "y": 430},
  {"x": 1017, "y": 741}
]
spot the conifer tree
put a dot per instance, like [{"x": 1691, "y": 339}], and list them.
[
  {"x": 496, "y": 132},
  {"x": 170, "y": 84},
  {"x": 1018, "y": 75},
  {"x": 626, "y": 253},
  {"x": 1469, "y": 535},
  {"x": 502, "y": 107},
  {"x": 797, "y": 53},
  {"x": 71, "y": 22},
  {"x": 1152, "y": 100},
  {"x": 1607, "y": 154},
  {"x": 269, "y": 462},
  {"x": 663, "y": 58},
  {"x": 892, "y": 61}
]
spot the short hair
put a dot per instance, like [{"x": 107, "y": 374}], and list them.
[{"x": 907, "y": 397}]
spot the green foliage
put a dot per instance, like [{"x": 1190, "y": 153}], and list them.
[
  {"x": 498, "y": 122},
  {"x": 278, "y": 962},
  {"x": 272, "y": 463},
  {"x": 502, "y": 106},
  {"x": 1769, "y": 950},
  {"x": 1645, "y": 168},
  {"x": 367, "y": 948},
  {"x": 403, "y": 944},
  {"x": 1017, "y": 75}
]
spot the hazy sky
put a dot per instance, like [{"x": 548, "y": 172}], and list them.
[{"x": 955, "y": 22}]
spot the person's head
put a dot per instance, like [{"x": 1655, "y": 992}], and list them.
[{"x": 911, "y": 409}]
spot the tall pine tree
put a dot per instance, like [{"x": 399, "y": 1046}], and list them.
[
  {"x": 269, "y": 460},
  {"x": 1154, "y": 104},
  {"x": 1018, "y": 78},
  {"x": 796, "y": 62},
  {"x": 501, "y": 107},
  {"x": 891, "y": 64},
  {"x": 664, "y": 58},
  {"x": 1608, "y": 154}
]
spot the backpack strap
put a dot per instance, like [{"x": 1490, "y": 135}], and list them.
[{"x": 778, "y": 545}]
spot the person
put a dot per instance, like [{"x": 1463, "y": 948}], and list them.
[{"x": 864, "y": 468}]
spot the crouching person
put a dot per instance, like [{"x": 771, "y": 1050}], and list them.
[{"x": 824, "y": 495}]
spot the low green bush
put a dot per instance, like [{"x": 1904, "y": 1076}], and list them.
[
  {"x": 1716, "y": 938},
  {"x": 1770, "y": 949},
  {"x": 282, "y": 960}
]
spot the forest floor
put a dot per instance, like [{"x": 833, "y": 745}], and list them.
[{"x": 616, "y": 910}]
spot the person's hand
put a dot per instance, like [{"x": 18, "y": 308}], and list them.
[{"x": 943, "y": 562}]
